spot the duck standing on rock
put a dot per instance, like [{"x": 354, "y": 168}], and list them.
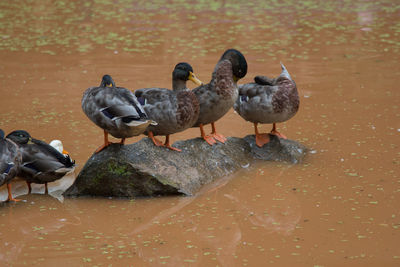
[
  {"x": 268, "y": 101},
  {"x": 218, "y": 96},
  {"x": 174, "y": 110},
  {"x": 10, "y": 159},
  {"x": 115, "y": 110},
  {"x": 41, "y": 163}
]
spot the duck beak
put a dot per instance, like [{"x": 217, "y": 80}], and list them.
[
  {"x": 65, "y": 152},
  {"x": 194, "y": 79},
  {"x": 30, "y": 141},
  {"x": 109, "y": 85},
  {"x": 236, "y": 79}
]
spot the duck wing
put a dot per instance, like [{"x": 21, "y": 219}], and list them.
[
  {"x": 10, "y": 159},
  {"x": 40, "y": 157},
  {"x": 152, "y": 96},
  {"x": 160, "y": 105},
  {"x": 264, "y": 80},
  {"x": 6, "y": 162},
  {"x": 114, "y": 103},
  {"x": 122, "y": 105}
]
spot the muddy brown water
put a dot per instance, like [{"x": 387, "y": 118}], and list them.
[{"x": 338, "y": 208}]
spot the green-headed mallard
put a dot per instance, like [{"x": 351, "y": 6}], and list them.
[
  {"x": 41, "y": 163},
  {"x": 268, "y": 101},
  {"x": 10, "y": 159},
  {"x": 218, "y": 96},
  {"x": 115, "y": 110},
  {"x": 173, "y": 110}
]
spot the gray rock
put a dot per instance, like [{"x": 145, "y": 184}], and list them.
[
  {"x": 277, "y": 149},
  {"x": 142, "y": 169}
]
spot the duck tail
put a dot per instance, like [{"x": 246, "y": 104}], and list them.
[
  {"x": 69, "y": 163},
  {"x": 285, "y": 72}
]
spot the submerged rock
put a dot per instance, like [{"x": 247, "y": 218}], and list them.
[{"x": 142, "y": 169}]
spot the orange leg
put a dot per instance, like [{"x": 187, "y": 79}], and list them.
[
  {"x": 167, "y": 145},
  {"x": 10, "y": 198},
  {"x": 122, "y": 141},
  {"x": 215, "y": 135},
  {"x": 261, "y": 139},
  {"x": 106, "y": 143},
  {"x": 29, "y": 187},
  {"x": 208, "y": 138},
  {"x": 275, "y": 132},
  {"x": 156, "y": 142}
]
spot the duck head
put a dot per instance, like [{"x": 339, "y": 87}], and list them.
[
  {"x": 20, "y": 137},
  {"x": 182, "y": 73},
  {"x": 238, "y": 61},
  {"x": 107, "y": 81},
  {"x": 57, "y": 144}
]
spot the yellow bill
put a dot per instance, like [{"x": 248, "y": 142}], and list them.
[{"x": 194, "y": 79}]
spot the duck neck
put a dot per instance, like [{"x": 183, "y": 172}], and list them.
[
  {"x": 178, "y": 84},
  {"x": 223, "y": 71}
]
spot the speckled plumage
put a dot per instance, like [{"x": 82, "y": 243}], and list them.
[
  {"x": 268, "y": 100},
  {"x": 41, "y": 163},
  {"x": 10, "y": 159},
  {"x": 116, "y": 110},
  {"x": 218, "y": 96},
  {"x": 174, "y": 110}
]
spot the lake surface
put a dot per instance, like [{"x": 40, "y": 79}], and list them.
[{"x": 338, "y": 208}]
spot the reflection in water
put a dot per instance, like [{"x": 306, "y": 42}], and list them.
[
  {"x": 281, "y": 218},
  {"x": 28, "y": 227},
  {"x": 56, "y": 188},
  {"x": 339, "y": 208}
]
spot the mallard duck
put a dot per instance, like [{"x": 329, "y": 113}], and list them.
[
  {"x": 10, "y": 159},
  {"x": 41, "y": 163},
  {"x": 173, "y": 110},
  {"x": 115, "y": 110},
  {"x": 219, "y": 95},
  {"x": 268, "y": 101}
]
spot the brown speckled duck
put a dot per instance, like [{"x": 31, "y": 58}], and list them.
[
  {"x": 10, "y": 159},
  {"x": 173, "y": 110},
  {"x": 268, "y": 101},
  {"x": 218, "y": 96},
  {"x": 115, "y": 110}
]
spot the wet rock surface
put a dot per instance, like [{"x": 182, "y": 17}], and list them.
[{"x": 142, "y": 169}]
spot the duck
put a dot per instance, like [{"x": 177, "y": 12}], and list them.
[
  {"x": 41, "y": 163},
  {"x": 116, "y": 110},
  {"x": 217, "y": 97},
  {"x": 268, "y": 100},
  {"x": 174, "y": 110},
  {"x": 10, "y": 160}
]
